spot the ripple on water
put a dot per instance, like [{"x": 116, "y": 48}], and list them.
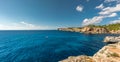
[{"x": 34, "y": 46}]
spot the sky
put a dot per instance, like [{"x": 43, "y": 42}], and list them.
[{"x": 53, "y": 14}]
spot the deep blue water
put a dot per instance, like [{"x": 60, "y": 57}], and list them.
[{"x": 46, "y": 45}]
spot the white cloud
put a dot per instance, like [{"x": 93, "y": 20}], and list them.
[
  {"x": 106, "y": 12},
  {"x": 94, "y": 20},
  {"x": 79, "y": 8},
  {"x": 21, "y": 26},
  {"x": 109, "y": 10},
  {"x": 100, "y": 6},
  {"x": 108, "y": 1},
  {"x": 97, "y": 19},
  {"x": 112, "y": 15},
  {"x": 115, "y": 21},
  {"x": 87, "y": 0}
]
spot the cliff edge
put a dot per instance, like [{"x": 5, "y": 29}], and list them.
[
  {"x": 109, "y": 53},
  {"x": 93, "y": 29}
]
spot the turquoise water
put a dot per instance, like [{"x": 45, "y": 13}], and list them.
[{"x": 46, "y": 45}]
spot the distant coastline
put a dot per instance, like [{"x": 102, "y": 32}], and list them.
[{"x": 95, "y": 29}]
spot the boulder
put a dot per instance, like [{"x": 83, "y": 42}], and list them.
[{"x": 112, "y": 39}]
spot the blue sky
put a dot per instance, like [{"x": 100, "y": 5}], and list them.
[{"x": 52, "y": 14}]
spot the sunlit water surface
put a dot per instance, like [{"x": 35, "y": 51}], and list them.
[{"x": 46, "y": 45}]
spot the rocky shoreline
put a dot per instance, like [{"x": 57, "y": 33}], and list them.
[
  {"x": 91, "y": 30},
  {"x": 95, "y": 29},
  {"x": 109, "y": 53}
]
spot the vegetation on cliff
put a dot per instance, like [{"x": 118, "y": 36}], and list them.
[
  {"x": 113, "y": 26},
  {"x": 109, "y": 26},
  {"x": 95, "y": 29}
]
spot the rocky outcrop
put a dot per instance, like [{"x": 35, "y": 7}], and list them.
[
  {"x": 82, "y": 58},
  {"x": 70, "y": 29},
  {"x": 109, "y": 53},
  {"x": 94, "y": 30},
  {"x": 115, "y": 32},
  {"x": 65, "y": 29},
  {"x": 91, "y": 30},
  {"x": 110, "y": 39}
]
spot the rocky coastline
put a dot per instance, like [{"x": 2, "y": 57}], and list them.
[
  {"x": 91, "y": 30},
  {"x": 94, "y": 29},
  {"x": 109, "y": 53}
]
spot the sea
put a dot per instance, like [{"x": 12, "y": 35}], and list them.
[{"x": 46, "y": 45}]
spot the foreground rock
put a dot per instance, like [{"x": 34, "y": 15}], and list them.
[
  {"x": 109, "y": 53},
  {"x": 82, "y": 58},
  {"x": 110, "y": 39}
]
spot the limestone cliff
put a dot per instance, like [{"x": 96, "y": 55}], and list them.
[
  {"x": 109, "y": 53},
  {"x": 91, "y": 30},
  {"x": 70, "y": 29},
  {"x": 95, "y": 29},
  {"x": 115, "y": 32}
]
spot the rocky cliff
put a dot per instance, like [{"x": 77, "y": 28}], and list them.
[
  {"x": 95, "y": 29},
  {"x": 115, "y": 31},
  {"x": 109, "y": 53},
  {"x": 70, "y": 29},
  {"x": 91, "y": 30},
  {"x": 112, "y": 39},
  {"x": 85, "y": 30}
]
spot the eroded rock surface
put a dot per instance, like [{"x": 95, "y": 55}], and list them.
[
  {"x": 91, "y": 30},
  {"x": 94, "y": 30},
  {"x": 112, "y": 39},
  {"x": 81, "y": 58},
  {"x": 109, "y": 53}
]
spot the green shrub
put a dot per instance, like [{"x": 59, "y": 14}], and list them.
[
  {"x": 109, "y": 27},
  {"x": 114, "y": 55}
]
